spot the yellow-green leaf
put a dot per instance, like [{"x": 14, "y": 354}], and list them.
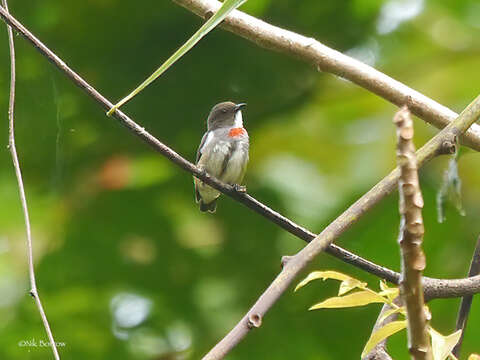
[
  {"x": 359, "y": 298},
  {"x": 335, "y": 275},
  {"x": 474, "y": 357},
  {"x": 400, "y": 310},
  {"x": 345, "y": 287},
  {"x": 390, "y": 293},
  {"x": 383, "y": 285},
  {"x": 350, "y": 284},
  {"x": 442, "y": 346},
  {"x": 382, "y": 333},
  {"x": 222, "y": 13}
]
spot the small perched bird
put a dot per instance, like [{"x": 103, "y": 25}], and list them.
[{"x": 223, "y": 152}]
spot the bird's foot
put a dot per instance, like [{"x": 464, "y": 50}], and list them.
[
  {"x": 202, "y": 172},
  {"x": 239, "y": 188}
]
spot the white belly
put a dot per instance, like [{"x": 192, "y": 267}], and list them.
[
  {"x": 215, "y": 163},
  {"x": 233, "y": 174}
]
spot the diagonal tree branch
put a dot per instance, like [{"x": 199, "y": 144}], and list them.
[
  {"x": 21, "y": 189},
  {"x": 329, "y": 60},
  {"x": 466, "y": 303},
  {"x": 157, "y": 145},
  {"x": 410, "y": 239}
]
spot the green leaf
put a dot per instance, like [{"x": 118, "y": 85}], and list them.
[
  {"x": 442, "y": 346},
  {"x": 382, "y": 333},
  {"x": 359, "y": 298},
  {"x": 227, "y": 7},
  {"x": 335, "y": 275}
]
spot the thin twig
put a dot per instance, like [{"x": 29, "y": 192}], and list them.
[
  {"x": 292, "y": 265},
  {"x": 410, "y": 239},
  {"x": 329, "y": 60},
  {"x": 158, "y": 146},
  {"x": 466, "y": 303},
  {"x": 21, "y": 189}
]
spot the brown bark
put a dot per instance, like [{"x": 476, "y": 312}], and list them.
[{"x": 410, "y": 239}]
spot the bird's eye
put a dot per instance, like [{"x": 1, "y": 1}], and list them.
[{"x": 224, "y": 111}]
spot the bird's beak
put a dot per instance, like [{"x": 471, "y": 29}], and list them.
[{"x": 240, "y": 106}]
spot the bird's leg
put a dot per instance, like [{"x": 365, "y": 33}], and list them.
[
  {"x": 203, "y": 172},
  {"x": 239, "y": 188}
]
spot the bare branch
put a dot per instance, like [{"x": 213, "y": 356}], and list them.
[
  {"x": 466, "y": 303},
  {"x": 21, "y": 188},
  {"x": 410, "y": 239},
  {"x": 329, "y": 60},
  {"x": 450, "y": 288}
]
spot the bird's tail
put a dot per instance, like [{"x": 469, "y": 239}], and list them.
[{"x": 210, "y": 207}]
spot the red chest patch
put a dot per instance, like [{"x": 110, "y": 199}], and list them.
[{"x": 236, "y": 132}]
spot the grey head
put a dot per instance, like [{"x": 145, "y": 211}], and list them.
[{"x": 224, "y": 115}]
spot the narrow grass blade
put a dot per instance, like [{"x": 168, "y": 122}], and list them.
[{"x": 222, "y": 13}]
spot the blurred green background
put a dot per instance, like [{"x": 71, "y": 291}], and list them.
[{"x": 127, "y": 266}]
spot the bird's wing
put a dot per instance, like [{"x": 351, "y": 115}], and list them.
[
  {"x": 202, "y": 143},
  {"x": 199, "y": 154}
]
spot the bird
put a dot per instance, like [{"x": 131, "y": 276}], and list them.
[{"x": 223, "y": 153}]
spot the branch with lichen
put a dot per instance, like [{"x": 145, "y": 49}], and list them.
[{"x": 410, "y": 239}]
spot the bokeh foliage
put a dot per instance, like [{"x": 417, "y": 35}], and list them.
[{"x": 127, "y": 266}]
